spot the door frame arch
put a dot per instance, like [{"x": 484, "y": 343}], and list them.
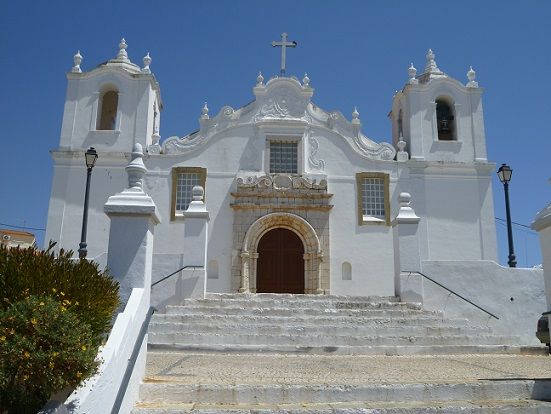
[{"x": 312, "y": 250}]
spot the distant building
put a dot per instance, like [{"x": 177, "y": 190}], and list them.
[{"x": 16, "y": 238}]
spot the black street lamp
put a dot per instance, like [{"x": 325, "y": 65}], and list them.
[
  {"x": 91, "y": 156},
  {"x": 504, "y": 173}
]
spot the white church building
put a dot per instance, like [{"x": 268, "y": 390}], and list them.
[{"x": 299, "y": 199}]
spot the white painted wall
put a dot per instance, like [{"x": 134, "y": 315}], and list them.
[
  {"x": 514, "y": 295},
  {"x": 542, "y": 224}
]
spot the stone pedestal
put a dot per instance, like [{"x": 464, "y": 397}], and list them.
[
  {"x": 133, "y": 217},
  {"x": 194, "y": 280},
  {"x": 408, "y": 282}
]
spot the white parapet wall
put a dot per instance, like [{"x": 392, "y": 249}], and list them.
[
  {"x": 116, "y": 385},
  {"x": 542, "y": 224},
  {"x": 515, "y": 295}
]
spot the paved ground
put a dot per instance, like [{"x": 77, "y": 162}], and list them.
[{"x": 197, "y": 368}]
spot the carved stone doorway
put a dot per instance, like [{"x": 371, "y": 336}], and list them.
[{"x": 280, "y": 266}]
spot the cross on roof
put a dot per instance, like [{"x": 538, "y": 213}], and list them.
[{"x": 283, "y": 44}]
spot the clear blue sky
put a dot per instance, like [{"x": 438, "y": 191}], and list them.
[{"x": 355, "y": 52}]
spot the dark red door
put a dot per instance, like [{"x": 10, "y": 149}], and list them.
[{"x": 280, "y": 266}]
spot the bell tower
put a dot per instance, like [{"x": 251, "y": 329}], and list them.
[
  {"x": 111, "y": 107},
  {"x": 439, "y": 118}
]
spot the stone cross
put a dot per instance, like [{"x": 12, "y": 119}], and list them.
[{"x": 283, "y": 44}]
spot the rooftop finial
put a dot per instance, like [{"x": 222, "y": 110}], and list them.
[
  {"x": 122, "y": 55},
  {"x": 259, "y": 79},
  {"x": 306, "y": 81},
  {"x": 431, "y": 66},
  {"x": 355, "y": 113},
  {"x": 205, "y": 112},
  {"x": 146, "y": 62},
  {"x": 471, "y": 75},
  {"x": 412, "y": 72},
  {"x": 77, "y": 59},
  {"x": 402, "y": 155}
]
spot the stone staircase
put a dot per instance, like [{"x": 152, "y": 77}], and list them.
[{"x": 243, "y": 353}]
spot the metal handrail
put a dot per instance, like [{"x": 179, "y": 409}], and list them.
[
  {"x": 173, "y": 273},
  {"x": 451, "y": 291}
]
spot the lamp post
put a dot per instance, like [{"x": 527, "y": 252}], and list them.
[
  {"x": 504, "y": 173},
  {"x": 91, "y": 156}
]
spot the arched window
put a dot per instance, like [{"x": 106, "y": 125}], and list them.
[
  {"x": 107, "y": 111},
  {"x": 445, "y": 120}
]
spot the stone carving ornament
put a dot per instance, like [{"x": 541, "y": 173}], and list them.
[
  {"x": 278, "y": 100},
  {"x": 315, "y": 163},
  {"x": 280, "y": 182},
  {"x": 283, "y": 102}
]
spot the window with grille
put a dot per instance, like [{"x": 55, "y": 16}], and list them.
[
  {"x": 183, "y": 181},
  {"x": 373, "y": 203},
  {"x": 283, "y": 157}
]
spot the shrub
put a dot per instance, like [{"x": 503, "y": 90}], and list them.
[
  {"x": 44, "y": 347},
  {"x": 77, "y": 284}
]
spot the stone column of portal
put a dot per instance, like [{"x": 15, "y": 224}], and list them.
[
  {"x": 245, "y": 272},
  {"x": 196, "y": 217},
  {"x": 542, "y": 224},
  {"x": 133, "y": 217},
  {"x": 408, "y": 283}
]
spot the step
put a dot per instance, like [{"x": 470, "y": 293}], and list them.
[
  {"x": 263, "y": 297},
  {"x": 422, "y": 320},
  {"x": 208, "y": 326},
  {"x": 283, "y": 311},
  {"x": 301, "y": 303},
  {"x": 174, "y": 392},
  {"x": 449, "y": 407},
  {"x": 324, "y": 340},
  {"x": 352, "y": 350}
]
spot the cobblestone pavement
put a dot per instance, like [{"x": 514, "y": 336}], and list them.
[{"x": 197, "y": 368}]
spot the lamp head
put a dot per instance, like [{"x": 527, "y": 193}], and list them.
[
  {"x": 504, "y": 173},
  {"x": 91, "y": 156}
]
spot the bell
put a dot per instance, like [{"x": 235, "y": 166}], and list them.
[{"x": 445, "y": 125}]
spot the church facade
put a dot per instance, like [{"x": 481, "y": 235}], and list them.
[{"x": 300, "y": 200}]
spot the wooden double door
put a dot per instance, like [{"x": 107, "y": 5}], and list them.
[{"x": 280, "y": 265}]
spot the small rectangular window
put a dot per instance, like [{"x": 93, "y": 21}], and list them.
[
  {"x": 373, "y": 194},
  {"x": 283, "y": 157},
  {"x": 183, "y": 181}
]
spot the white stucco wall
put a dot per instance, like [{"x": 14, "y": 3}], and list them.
[{"x": 516, "y": 296}]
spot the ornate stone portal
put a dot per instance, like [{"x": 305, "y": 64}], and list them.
[{"x": 287, "y": 201}]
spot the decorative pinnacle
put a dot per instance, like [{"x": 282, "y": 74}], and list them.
[
  {"x": 431, "y": 66},
  {"x": 401, "y": 143},
  {"x": 205, "y": 112},
  {"x": 471, "y": 75},
  {"x": 197, "y": 193},
  {"x": 355, "y": 113},
  {"x": 412, "y": 73},
  {"x": 404, "y": 199},
  {"x": 306, "y": 81},
  {"x": 77, "y": 59},
  {"x": 146, "y": 62},
  {"x": 259, "y": 79},
  {"x": 136, "y": 169},
  {"x": 122, "y": 55}
]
